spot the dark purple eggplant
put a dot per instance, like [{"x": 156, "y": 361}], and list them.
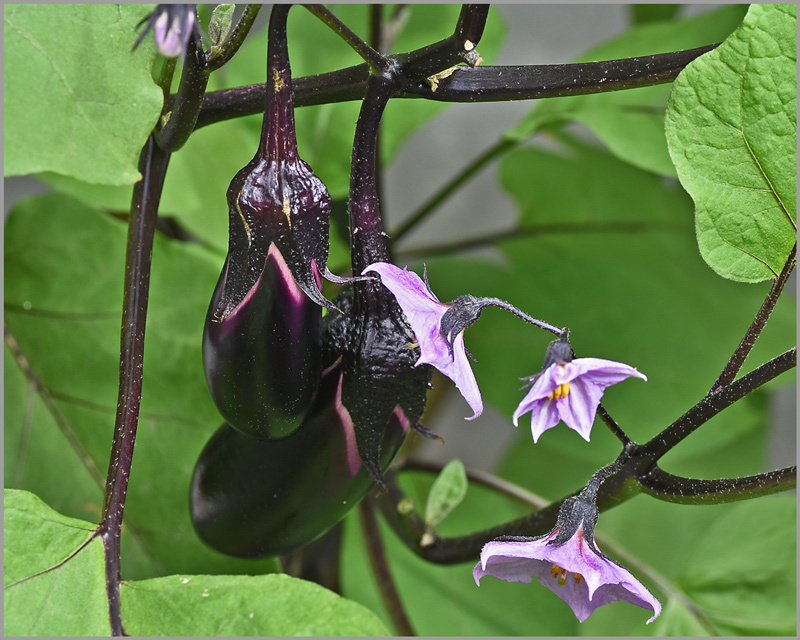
[
  {"x": 252, "y": 498},
  {"x": 262, "y": 335}
]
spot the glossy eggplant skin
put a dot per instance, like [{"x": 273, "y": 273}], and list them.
[
  {"x": 252, "y": 498},
  {"x": 262, "y": 362}
]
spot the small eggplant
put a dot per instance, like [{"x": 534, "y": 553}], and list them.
[
  {"x": 262, "y": 335},
  {"x": 252, "y": 498}
]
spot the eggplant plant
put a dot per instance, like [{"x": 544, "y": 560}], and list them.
[{"x": 287, "y": 374}]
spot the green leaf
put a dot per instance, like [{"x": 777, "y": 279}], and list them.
[
  {"x": 732, "y": 131},
  {"x": 63, "y": 309},
  {"x": 741, "y": 573},
  {"x": 641, "y": 13},
  {"x": 631, "y": 123},
  {"x": 447, "y": 492},
  {"x": 53, "y": 572},
  {"x": 76, "y": 100},
  {"x": 221, "y": 20},
  {"x": 272, "y": 605},
  {"x": 54, "y": 584}
]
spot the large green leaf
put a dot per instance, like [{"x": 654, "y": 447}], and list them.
[
  {"x": 732, "y": 132},
  {"x": 76, "y": 100},
  {"x": 53, "y": 572},
  {"x": 63, "y": 310},
  {"x": 631, "y": 123},
  {"x": 741, "y": 573},
  {"x": 271, "y": 605},
  {"x": 54, "y": 584}
]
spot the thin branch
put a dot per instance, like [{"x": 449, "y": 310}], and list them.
[
  {"x": 611, "y": 226},
  {"x": 759, "y": 322},
  {"x": 665, "y": 486},
  {"x": 711, "y": 405},
  {"x": 613, "y": 426},
  {"x": 47, "y": 398},
  {"x": 374, "y": 59},
  {"x": 451, "y": 187},
  {"x": 483, "y": 478},
  {"x": 383, "y": 575},
  {"x": 481, "y": 84}
]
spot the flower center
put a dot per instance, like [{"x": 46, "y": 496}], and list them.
[
  {"x": 561, "y": 574},
  {"x": 561, "y": 391}
]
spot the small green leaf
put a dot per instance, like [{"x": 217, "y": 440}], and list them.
[
  {"x": 220, "y": 23},
  {"x": 271, "y": 605},
  {"x": 732, "y": 133},
  {"x": 53, "y": 573},
  {"x": 77, "y": 101},
  {"x": 447, "y": 492}
]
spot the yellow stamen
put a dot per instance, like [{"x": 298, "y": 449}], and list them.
[
  {"x": 561, "y": 575},
  {"x": 411, "y": 345},
  {"x": 561, "y": 391}
]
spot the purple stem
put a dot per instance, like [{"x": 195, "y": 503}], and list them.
[
  {"x": 141, "y": 230},
  {"x": 742, "y": 351}
]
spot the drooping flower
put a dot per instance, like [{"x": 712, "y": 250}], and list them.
[
  {"x": 441, "y": 346},
  {"x": 569, "y": 389},
  {"x": 568, "y": 562},
  {"x": 172, "y": 26}
]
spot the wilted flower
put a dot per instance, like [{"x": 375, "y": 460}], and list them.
[
  {"x": 172, "y": 26},
  {"x": 444, "y": 350},
  {"x": 568, "y": 562},
  {"x": 569, "y": 390}
]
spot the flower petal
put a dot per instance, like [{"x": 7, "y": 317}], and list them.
[
  {"x": 579, "y": 408},
  {"x": 602, "y": 580},
  {"x": 598, "y": 371},
  {"x": 424, "y": 313}
]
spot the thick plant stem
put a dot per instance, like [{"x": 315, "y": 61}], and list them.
[
  {"x": 380, "y": 568},
  {"x": 479, "y": 84},
  {"x": 711, "y": 405},
  {"x": 665, "y": 486},
  {"x": 185, "y": 108},
  {"x": 141, "y": 230},
  {"x": 759, "y": 322}
]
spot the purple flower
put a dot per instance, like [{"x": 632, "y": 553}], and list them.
[
  {"x": 568, "y": 562},
  {"x": 424, "y": 312},
  {"x": 172, "y": 26},
  {"x": 569, "y": 390}
]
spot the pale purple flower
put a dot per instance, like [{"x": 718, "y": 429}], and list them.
[
  {"x": 568, "y": 562},
  {"x": 569, "y": 390},
  {"x": 424, "y": 313},
  {"x": 172, "y": 26}
]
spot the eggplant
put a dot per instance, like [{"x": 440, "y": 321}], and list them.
[
  {"x": 252, "y": 498},
  {"x": 262, "y": 336}
]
